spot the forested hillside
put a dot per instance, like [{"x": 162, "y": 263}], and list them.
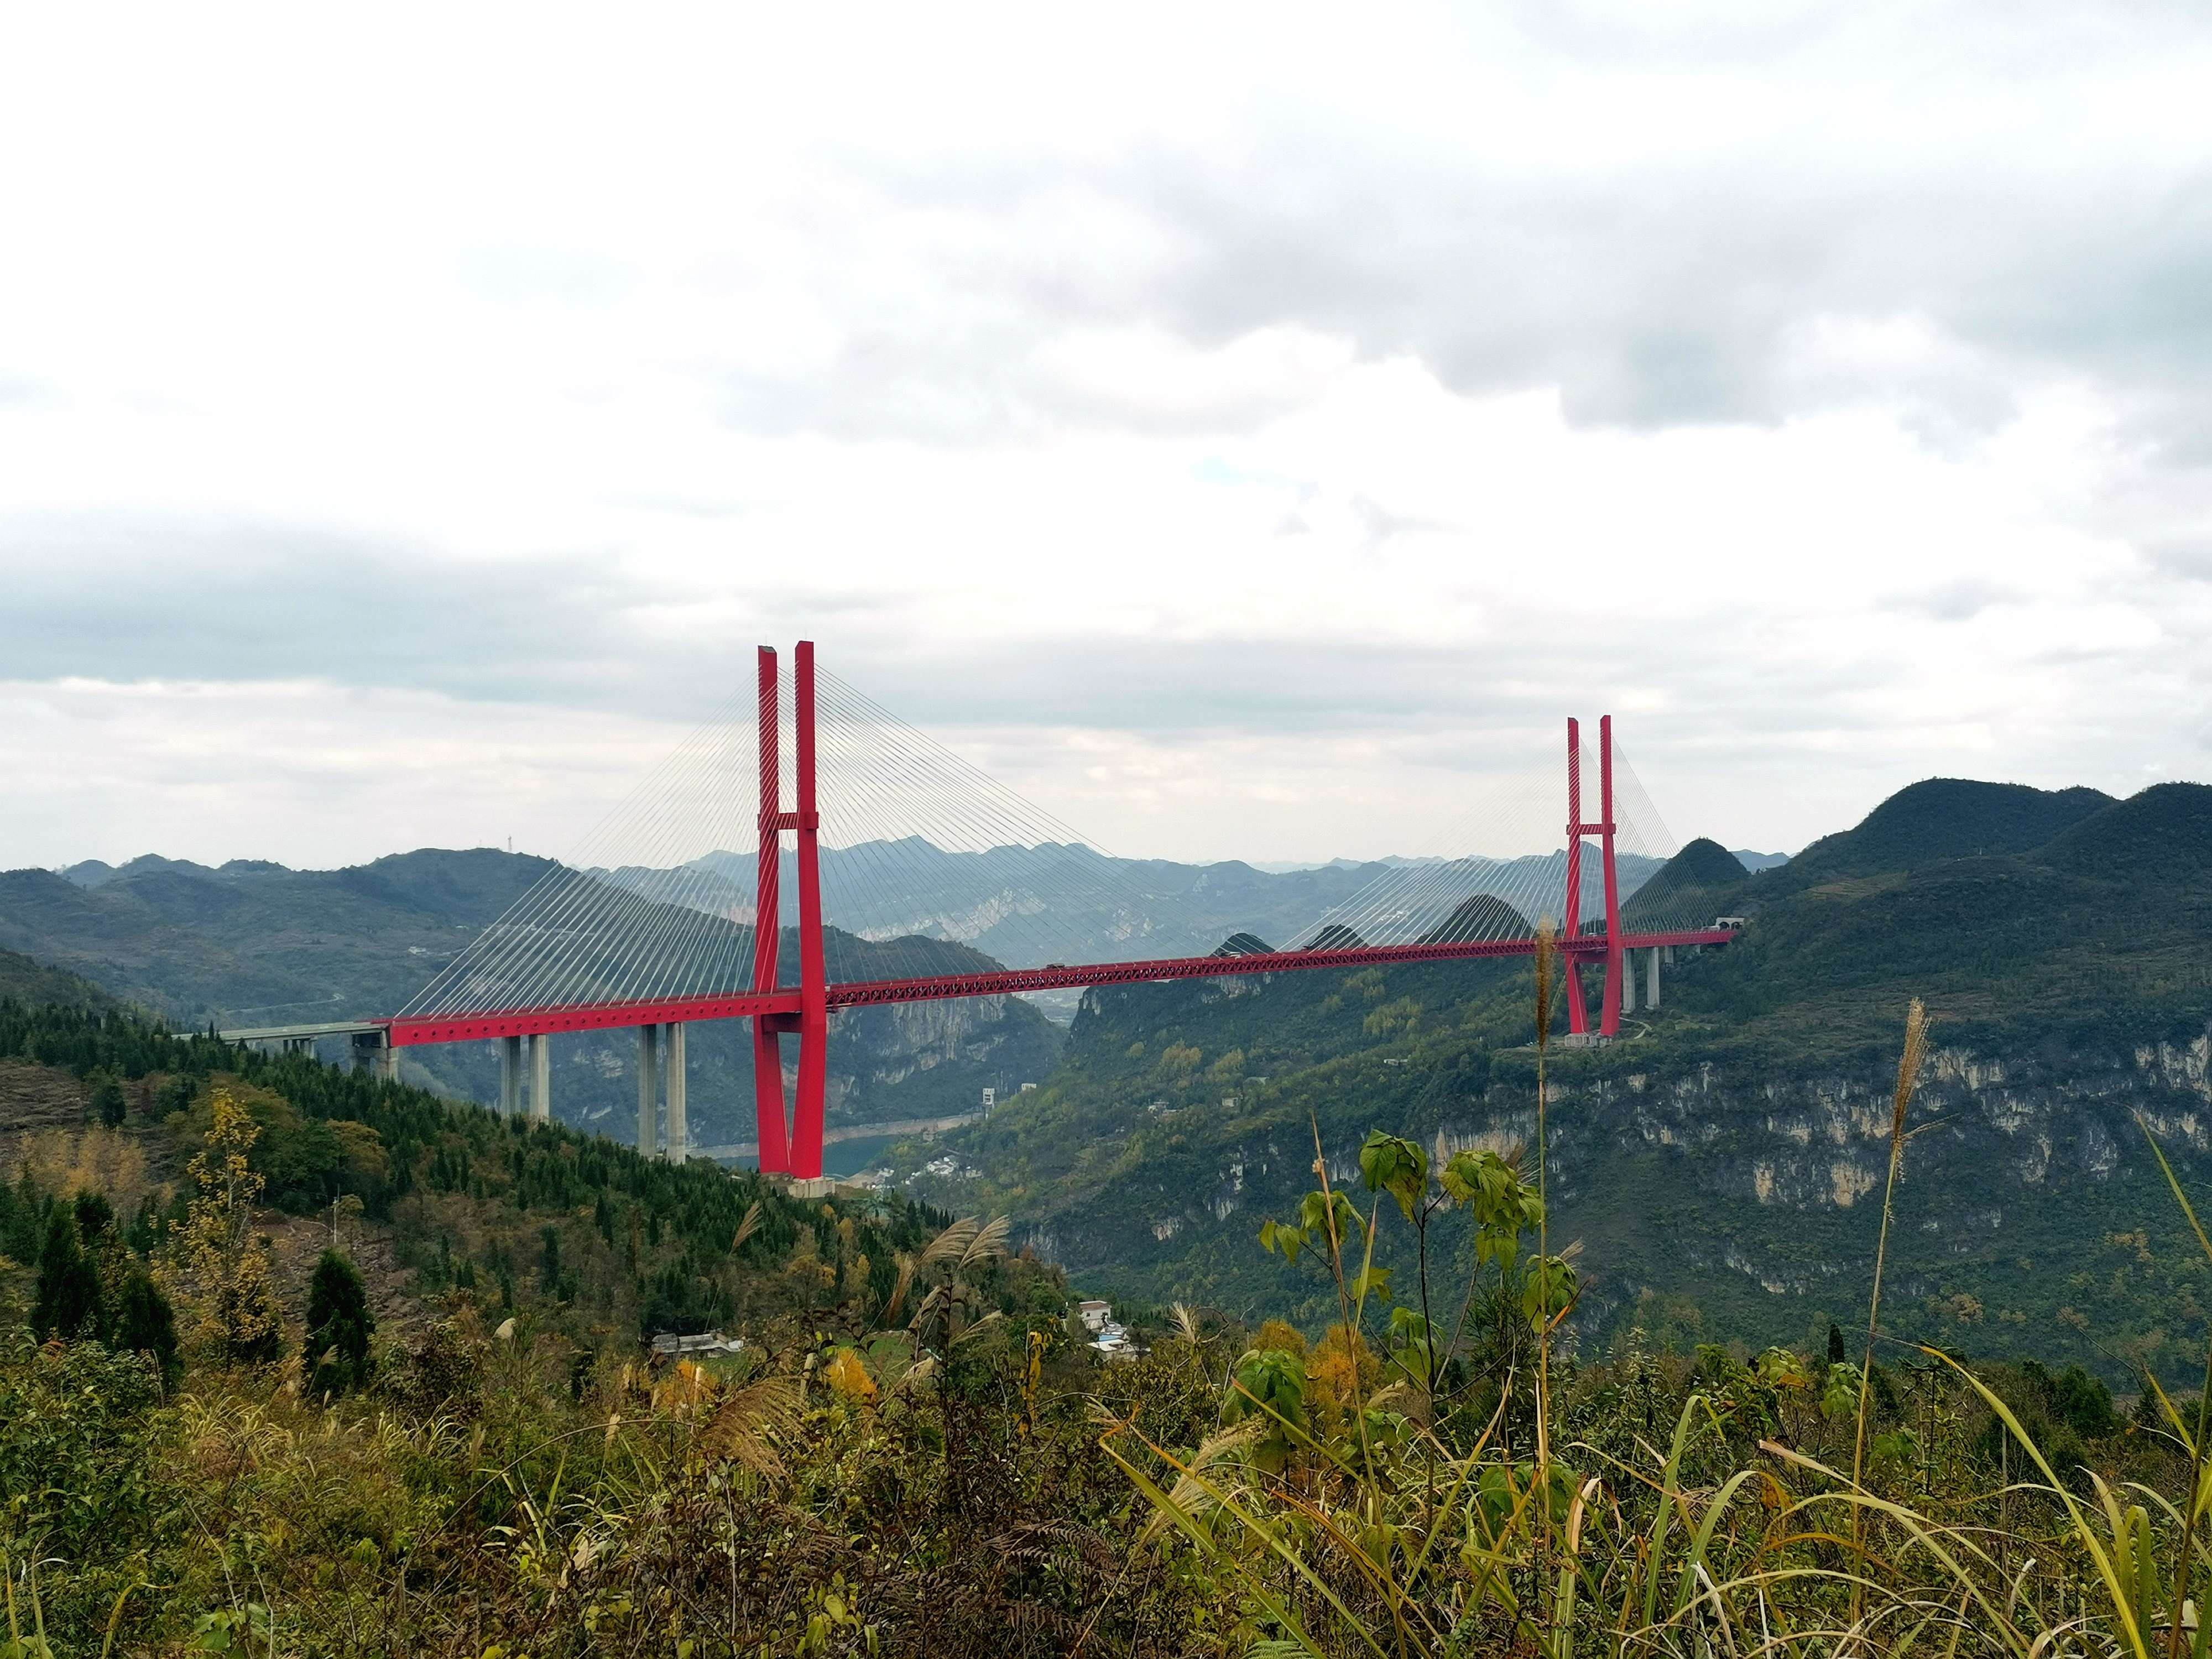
[
  {"x": 581, "y": 1229},
  {"x": 22, "y": 979},
  {"x": 253, "y": 944},
  {"x": 293, "y": 1361},
  {"x": 1716, "y": 1165}
]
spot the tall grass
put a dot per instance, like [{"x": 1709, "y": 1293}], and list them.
[{"x": 1908, "y": 1074}]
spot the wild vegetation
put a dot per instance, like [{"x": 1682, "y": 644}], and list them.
[{"x": 918, "y": 1451}]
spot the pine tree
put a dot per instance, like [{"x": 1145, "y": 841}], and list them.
[
  {"x": 95, "y": 1215},
  {"x": 24, "y": 1208},
  {"x": 339, "y": 1324},
  {"x": 107, "y": 1103},
  {"x": 548, "y": 1263},
  {"x": 68, "y": 1301},
  {"x": 144, "y": 1324},
  {"x": 1835, "y": 1344}
]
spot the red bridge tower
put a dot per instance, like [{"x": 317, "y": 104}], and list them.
[
  {"x": 1609, "y": 1008},
  {"x": 797, "y": 1151}
]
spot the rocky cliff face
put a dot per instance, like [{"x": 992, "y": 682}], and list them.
[
  {"x": 1720, "y": 1203},
  {"x": 881, "y": 1048}
]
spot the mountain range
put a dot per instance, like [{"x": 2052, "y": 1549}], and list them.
[
  {"x": 1718, "y": 1166},
  {"x": 251, "y": 943},
  {"x": 1721, "y": 1166}
]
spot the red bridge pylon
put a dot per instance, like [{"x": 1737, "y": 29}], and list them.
[
  {"x": 796, "y": 1150},
  {"x": 1609, "y": 1007}
]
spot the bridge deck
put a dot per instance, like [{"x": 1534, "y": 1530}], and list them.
[{"x": 871, "y": 993}]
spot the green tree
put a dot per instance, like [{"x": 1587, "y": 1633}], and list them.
[
  {"x": 339, "y": 1324},
  {"x": 107, "y": 1103},
  {"x": 145, "y": 1323},
  {"x": 95, "y": 1215},
  {"x": 549, "y": 1260},
  {"x": 221, "y": 1260},
  {"x": 69, "y": 1301}
]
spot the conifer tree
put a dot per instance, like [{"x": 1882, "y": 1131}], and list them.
[
  {"x": 145, "y": 1324},
  {"x": 107, "y": 1103},
  {"x": 68, "y": 1301},
  {"x": 339, "y": 1324}
]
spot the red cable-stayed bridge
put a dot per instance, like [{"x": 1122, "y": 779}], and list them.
[{"x": 595, "y": 948}]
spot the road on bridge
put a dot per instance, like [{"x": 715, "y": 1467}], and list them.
[{"x": 907, "y": 1126}]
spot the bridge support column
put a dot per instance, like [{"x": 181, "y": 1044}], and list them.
[
  {"x": 387, "y": 1060},
  {"x": 1651, "y": 980},
  {"x": 813, "y": 979},
  {"x": 679, "y": 1133},
  {"x": 541, "y": 1078},
  {"x": 1614, "y": 966},
  {"x": 774, "y": 1143},
  {"x": 510, "y": 1076},
  {"x": 1572, "y": 910},
  {"x": 648, "y": 1091}
]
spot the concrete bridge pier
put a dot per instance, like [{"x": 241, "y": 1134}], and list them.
[
  {"x": 648, "y": 1091},
  {"x": 679, "y": 1132},
  {"x": 1651, "y": 979},
  {"x": 510, "y": 1076},
  {"x": 541, "y": 1079}
]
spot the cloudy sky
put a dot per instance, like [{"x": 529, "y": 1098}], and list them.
[{"x": 1244, "y": 435}]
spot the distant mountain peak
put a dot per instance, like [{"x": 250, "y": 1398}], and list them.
[{"x": 1942, "y": 818}]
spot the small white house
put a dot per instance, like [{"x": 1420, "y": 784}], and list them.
[{"x": 1095, "y": 1316}]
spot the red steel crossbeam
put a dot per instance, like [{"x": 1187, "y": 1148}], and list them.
[
  {"x": 785, "y": 1007},
  {"x": 587, "y": 1016},
  {"x": 869, "y": 993}
]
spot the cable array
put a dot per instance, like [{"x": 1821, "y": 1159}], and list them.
[
  {"x": 929, "y": 865},
  {"x": 1482, "y": 898},
  {"x": 629, "y": 915}
]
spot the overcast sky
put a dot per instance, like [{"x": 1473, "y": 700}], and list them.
[{"x": 1241, "y": 433}]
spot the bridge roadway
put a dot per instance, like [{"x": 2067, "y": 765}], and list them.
[
  {"x": 873, "y": 994},
  {"x": 899, "y": 1128}
]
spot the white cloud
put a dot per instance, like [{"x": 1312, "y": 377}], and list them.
[{"x": 1259, "y": 406}]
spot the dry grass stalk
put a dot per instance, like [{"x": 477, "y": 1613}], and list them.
[
  {"x": 1546, "y": 959},
  {"x": 748, "y": 1227},
  {"x": 1908, "y": 1074}
]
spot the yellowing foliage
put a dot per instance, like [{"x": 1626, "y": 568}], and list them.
[
  {"x": 94, "y": 1160},
  {"x": 218, "y": 1261},
  {"x": 847, "y": 1374}
]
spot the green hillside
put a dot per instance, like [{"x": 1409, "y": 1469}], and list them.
[
  {"x": 1716, "y": 1163},
  {"x": 22, "y": 979},
  {"x": 253, "y": 944},
  {"x": 580, "y": 1230}
]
